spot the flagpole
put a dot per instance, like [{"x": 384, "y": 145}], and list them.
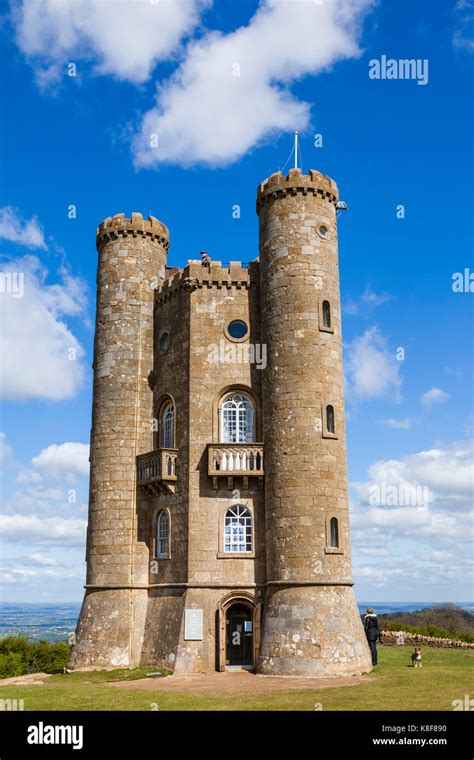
[{"x": 296, "y": 150}]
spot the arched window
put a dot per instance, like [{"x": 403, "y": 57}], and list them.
[
  {"x": 334, "y": 532},
  {"x": 330, "y": 427},
  {"x": 163, "y": 534},
  {"x": 237, "y": 419},
  {"x": 167, "y": 426},
  {"x": 238, "y": 529},
  {"x": 326, "y": 314}
]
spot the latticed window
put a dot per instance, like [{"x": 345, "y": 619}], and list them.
[
  {"x": 237, "y": 419},
  {"x": 238, "y": 530},
  {"x": 334, "y": 531},
  {"x": 167, "y": 427},
  {"x": 163, "y": 534}
]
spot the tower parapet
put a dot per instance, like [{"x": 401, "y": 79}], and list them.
[
  {"x": 119, "y": 225},
  {"x": 314, "y": 183}
]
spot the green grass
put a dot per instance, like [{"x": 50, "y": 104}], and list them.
[{"x": 446, "y": 675}]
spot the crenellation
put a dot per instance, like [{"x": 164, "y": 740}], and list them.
[
  {"x": 196, "y": 275},
  {"x": 119, "y": 225},
  {"x": 294, "y": 183}
]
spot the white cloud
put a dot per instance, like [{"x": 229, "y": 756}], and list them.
[
  {"x": 16, "y": 230},
  {"x": 413, "y": 578},
  {"x": 374, "y": 299},
  {"x": 374, "y": 551},
  {"x": 463, "y": 37},
  {"x": 448, "y": 474},
  {"x": 38, "y": 499},
  {"x": 35, "y": 582},
  {"x": 378, "y": 576},
  {"x": 440, "y": 531},
  {"x": 455, "y": 372},
  {"x": 7, "y": 577},
  {"x": 122, "y": 39},
  {"x": 368, "y": 301},
  {"x": 30, "y": 529},
  {"x": 63, "y": 461},
  {"x": 231, "y": 92},
  {"x": 372, "y": 370},
  {"x": 417, "y": 551},
  {"x": 435, "y": 556},
  {"x": 41, "y": 561},
  {"x": 434, "y": 396},
  {"x": 44, "y": 526},
  {"x": 29, "y": 476},
  {"x": 403, "y": 518},
  {"x": 5, "y": 450},
  {"x": 203, "y": 112},
  {"x": 404, "y": 424},
  {"x": 350, "y": 307},
  {"x": 39, "y": 355}
]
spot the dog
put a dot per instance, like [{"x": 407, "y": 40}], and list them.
[{"x": 416, "y": 658}]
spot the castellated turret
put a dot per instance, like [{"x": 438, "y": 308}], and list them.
[
  {"x": 218, "y": 530},
  {"x": 312, "y": 625},
  {"x": 132, "y": 259}
]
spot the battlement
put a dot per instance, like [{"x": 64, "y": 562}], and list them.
[
  {"x": 279, "y": 185},
  {"x": 117, "y": 225},
  {"x": 215, "y": 274}
]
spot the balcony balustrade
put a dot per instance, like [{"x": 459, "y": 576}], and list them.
[
  {"x": 156, "y": 470},
  {"x": 231, "y": 460}
]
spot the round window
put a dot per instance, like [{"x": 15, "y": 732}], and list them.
[
  {"x": 164, "y": 342},
  {"x": 237, "y": 329},
  {"x": 323, "y": 230}
]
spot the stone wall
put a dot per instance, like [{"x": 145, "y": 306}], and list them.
[
  {"x": 194, "y": 306},
  {"x": 403, "y": 638}
]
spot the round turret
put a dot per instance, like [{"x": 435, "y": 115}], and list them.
[
  {"x": 132, "y": 259},
  {"x": 306, "y": 503}
]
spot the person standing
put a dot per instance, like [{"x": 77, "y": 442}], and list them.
[{"x": 372, "y": 632}]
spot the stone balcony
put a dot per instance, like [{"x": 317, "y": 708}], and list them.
[
  {"x": 156, "y": 471},
  {"x": 230, "y": 460}
]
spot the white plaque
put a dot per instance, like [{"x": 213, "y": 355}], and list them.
[{"x": 193, "y": 625}]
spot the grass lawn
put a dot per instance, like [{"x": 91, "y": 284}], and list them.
[{"x": 446, "y": 675}]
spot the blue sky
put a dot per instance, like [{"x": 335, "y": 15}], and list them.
[{"x": 82, "y": 141}]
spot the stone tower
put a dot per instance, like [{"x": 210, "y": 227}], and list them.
[
  {"x": 218, "y": 513},
  {"x": 132, "y": 258},
  {"x": 311, "y": 622}
]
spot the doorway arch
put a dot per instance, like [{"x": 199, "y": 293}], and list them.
[{"x": 238, "y": 640}]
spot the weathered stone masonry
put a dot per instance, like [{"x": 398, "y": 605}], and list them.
[{"x": 155, "y": 331}]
